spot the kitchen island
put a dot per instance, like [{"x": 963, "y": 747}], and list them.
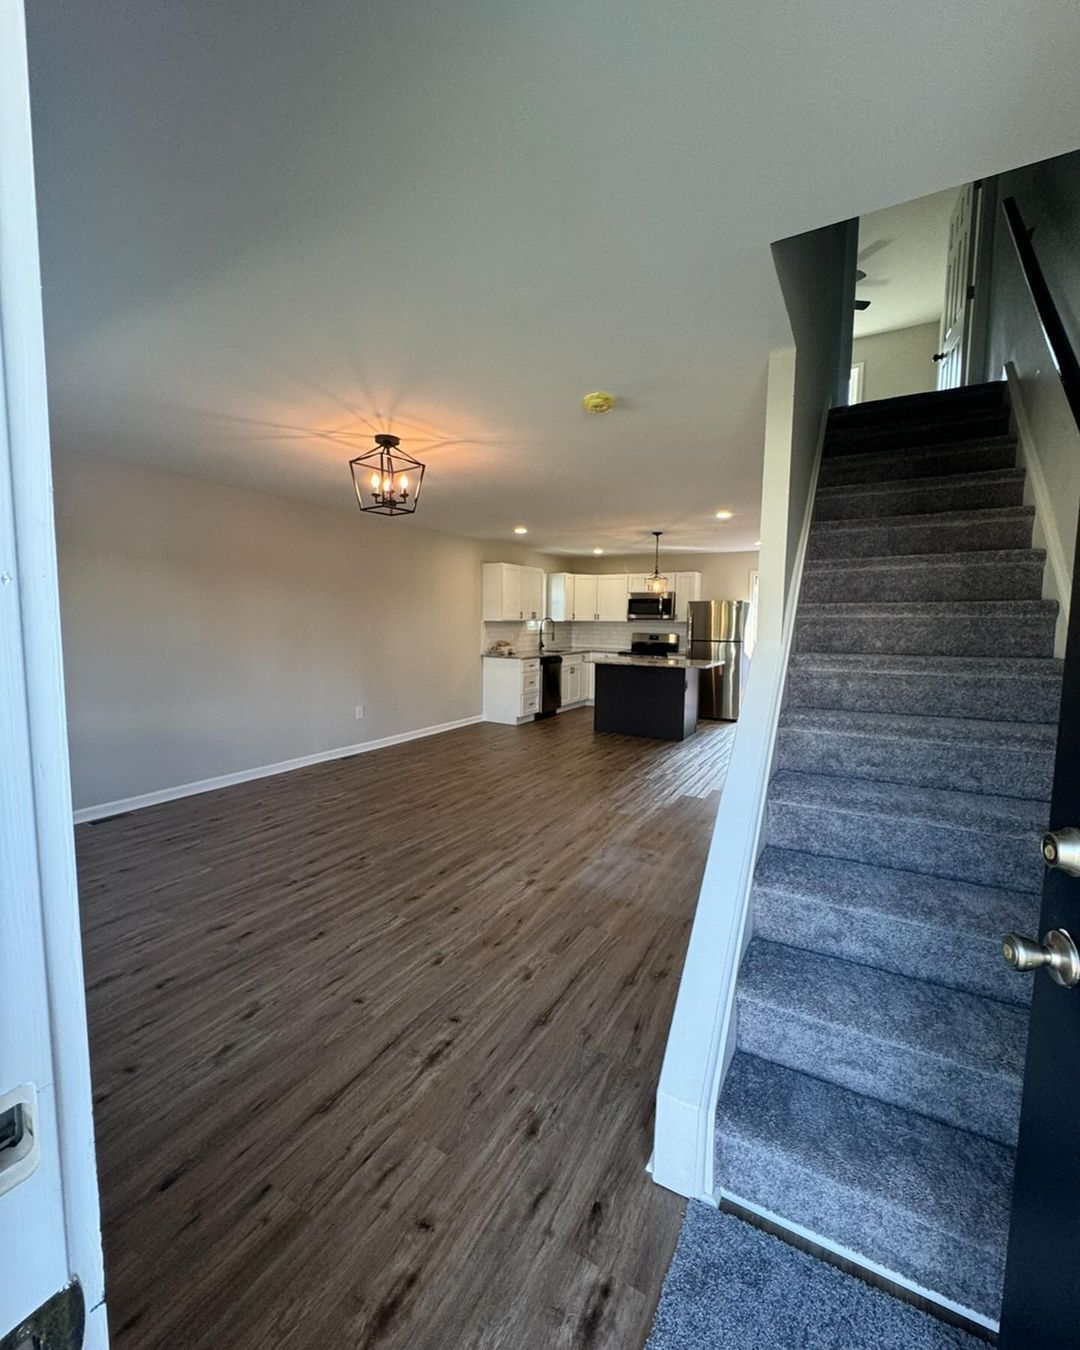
[{"x": 653, "y": 696}]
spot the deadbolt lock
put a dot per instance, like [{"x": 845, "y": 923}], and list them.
[
  {"x": 1056, "y": 952},
  {"x": 1061, "y": 849}
]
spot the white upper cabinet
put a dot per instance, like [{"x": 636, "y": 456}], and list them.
[
  {"x": 532, "y": 593},
  {"x": 584, "y": 597},
  {"x": 635, "y": 582},
  {"x": 512, "y": 592},
  {"x": 687, "y": 587},
  {"x": 611, "y": 593},
  {"x": 560, "y": 596},
  {"x": 502, "y": 592}
]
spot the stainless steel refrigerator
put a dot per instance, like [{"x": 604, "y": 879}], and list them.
[{"x": 716, "y": 634}]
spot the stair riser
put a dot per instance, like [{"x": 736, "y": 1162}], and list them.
[
  {"x": 881, "y": 538},
  {"x": 890, "y": 943},
  {"x": 965, "y": 579},
  {"x": 975, "y": 635},
  {"x": 995, "y": 770},
  {"x": 890, "y": 1236},
  {"x": 856, "y": 503},
  {"x": 941, "y": 1089},
  {"x": 911, "y": 435},
  {"x": 983, "y": 858},
  {"x": 1017, "y": 700},
  {"x": 930, "y": 463}
]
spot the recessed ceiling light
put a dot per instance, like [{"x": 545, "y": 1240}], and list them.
[
  {"x": 598, "y": 551},
  {"x": 520, "y": 529},
  {"x": 723, "y": 515}
]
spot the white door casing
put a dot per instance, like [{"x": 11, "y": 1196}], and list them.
[
  {"x": 50, "y": 1219},
  {"x": 956, "y": 313}
]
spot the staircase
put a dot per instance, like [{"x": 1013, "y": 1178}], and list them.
[{"x": 874, "y": 1096}]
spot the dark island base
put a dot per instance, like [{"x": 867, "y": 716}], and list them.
[{"x": 657, "y": 701}]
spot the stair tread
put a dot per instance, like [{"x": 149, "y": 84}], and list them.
[
  {"x": 963, "y": 811},
  {"x": 909, "y": 609},
  {"x": 908, "y": 1192},
  {"x": 988, "y": 393},
  {"x": 980, "y": 1034},
  {"x": 899, "y": 485},
  {"x": 987, "y": 557},
  {"x": 957, "y": 909},
  {"x": 1010, "y": 668},
  {"x": 1002, "y": 440},
  {"x": 974, "y": 515},
  {"x": 905, "y": 726}
]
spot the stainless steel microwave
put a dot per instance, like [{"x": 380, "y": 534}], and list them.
[{"x": 642, "y": 605}]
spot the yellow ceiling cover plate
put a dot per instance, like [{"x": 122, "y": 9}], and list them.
[{"x": 598, "y": 402}]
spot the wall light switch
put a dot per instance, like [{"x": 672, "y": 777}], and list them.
[{"x": 359, "y": 711}]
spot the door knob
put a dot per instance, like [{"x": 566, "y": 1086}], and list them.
[
  {"x": 939, "y": 356},
  {"x": 1061, "y": 848},
  {"x": 1057, "y": 952}
]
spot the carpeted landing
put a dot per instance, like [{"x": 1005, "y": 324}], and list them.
[{"x": 733, "y": 1287}]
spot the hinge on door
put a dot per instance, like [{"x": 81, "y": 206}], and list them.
[
  {"x": 57, "y": 1325},
  {"x": 971, "y": 293}
]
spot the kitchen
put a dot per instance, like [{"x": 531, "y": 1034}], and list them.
[{"x": 646, "y": 651}]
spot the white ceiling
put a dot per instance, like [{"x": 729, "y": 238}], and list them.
[
  {"x": 271, "y": 228},
  {"x": 902, "y": 250}
]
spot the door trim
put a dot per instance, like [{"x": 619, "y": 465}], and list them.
[{"x": 25, "y": 410}]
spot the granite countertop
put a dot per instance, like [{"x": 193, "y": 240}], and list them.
[
  {"x": 535, "y": 656},
  {"x": 675, "y": 662}
]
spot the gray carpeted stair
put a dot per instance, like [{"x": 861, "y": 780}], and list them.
[
  {"x": 905, "y": 922},
  {"x": 992, "y": 574},
  {"x": 999, "y": 758},
  {"x": 875, "y": 1090},
  {"x": 997, "y": 527},
  {"x": 929, "y": 628},
  {"x": 953, "y": 1056},
  {"x": 913, "y": 1195}
]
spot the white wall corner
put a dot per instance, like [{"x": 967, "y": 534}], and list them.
[{"x": 701, "y": 1041}]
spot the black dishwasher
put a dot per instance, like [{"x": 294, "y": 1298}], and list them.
[{"x": 550, "y": 685}]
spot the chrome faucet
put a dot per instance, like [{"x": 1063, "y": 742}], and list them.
[{"x": 542, "y": 622}]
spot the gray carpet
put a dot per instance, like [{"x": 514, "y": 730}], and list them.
[
  {"x": 732, "y": 1287},
  {"x": 874, "y": 1094}
]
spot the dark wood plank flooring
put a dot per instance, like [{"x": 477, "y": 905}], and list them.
[{"x": 375, "y": 1043}]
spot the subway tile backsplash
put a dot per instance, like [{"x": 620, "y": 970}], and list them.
[{"x": 582, "y": 637}]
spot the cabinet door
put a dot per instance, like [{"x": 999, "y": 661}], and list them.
[
  {"x": 636, "y": 582},
  {"x": 611, "y": 598},
  {"x": 687, "y": 588},
  {"x": 512, "y": 607},
  {"x": 590, "y": 680},
  {"x": 560, "y": 596},
  {"x": 571, "y": 688},
  {"x": 584, "y": 597},
  {"x": 532, "y": 592}
]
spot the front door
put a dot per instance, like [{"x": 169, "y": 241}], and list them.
[{"x": 1042, "y": 1275}]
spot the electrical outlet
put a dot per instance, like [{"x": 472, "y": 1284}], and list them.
[{"x": 359, "y": 711}]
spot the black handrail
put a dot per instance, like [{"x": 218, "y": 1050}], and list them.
[{"x": 1057, "y": 337}]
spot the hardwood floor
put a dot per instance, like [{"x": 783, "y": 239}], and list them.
[{"x": 375, "y": 1043}]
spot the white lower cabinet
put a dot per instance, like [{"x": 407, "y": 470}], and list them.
[
  {"x": 511, "y": 689},
  {"x": 573, "y": 689}
]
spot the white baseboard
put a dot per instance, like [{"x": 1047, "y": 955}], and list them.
[{"x": 172, "y": 794}]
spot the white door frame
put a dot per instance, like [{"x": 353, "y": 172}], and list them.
[{"x": 36, "y": 638}]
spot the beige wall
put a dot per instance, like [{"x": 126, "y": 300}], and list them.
[
  {"x": 724, "y": 576},
  {"x": 898, "y": 362},
  {"x": 208, "y": 630}
]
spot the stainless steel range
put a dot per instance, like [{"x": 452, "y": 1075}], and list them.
[{"x": 653, "y": 644}]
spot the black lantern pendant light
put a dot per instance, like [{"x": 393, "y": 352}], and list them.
[
  {"x": 657, "y": 584},
  {"x": 387, "y": 480}
]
